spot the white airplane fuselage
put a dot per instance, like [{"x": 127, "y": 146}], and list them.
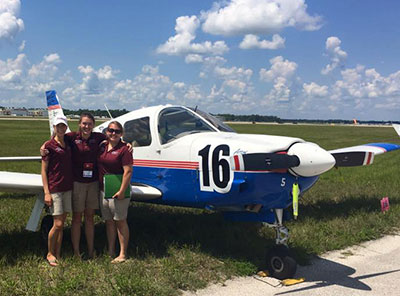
[{"x": 199, "y": 169}]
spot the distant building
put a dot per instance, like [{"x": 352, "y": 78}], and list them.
[
  {"x": 38, "y": 112},
  {"x": 19, "y": 112}
]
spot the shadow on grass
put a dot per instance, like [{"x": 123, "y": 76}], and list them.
[
  {"x": 155, "y": 229},
  {"x": 329, "y": 209}
]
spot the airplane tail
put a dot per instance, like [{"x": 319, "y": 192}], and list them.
[{"x": 54, "y": 108}]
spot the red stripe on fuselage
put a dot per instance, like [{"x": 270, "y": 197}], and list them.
[
  {"x": 166, "y": 164},
  {"x": 54, "y": 107}
]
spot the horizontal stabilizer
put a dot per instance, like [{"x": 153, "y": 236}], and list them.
[
  {"x": 269, "y": 161},
  {"x": 349, "y": 159}
]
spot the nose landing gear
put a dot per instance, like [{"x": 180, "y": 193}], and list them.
[{"x": 280, "y": 262}]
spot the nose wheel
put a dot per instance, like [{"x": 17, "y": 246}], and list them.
[{"x": 280, "y": 262}]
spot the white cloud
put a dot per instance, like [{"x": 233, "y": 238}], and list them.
[
  {"x": 233, "y": 73},
  {"x": 22, "y": 46},
  {"x": 367, "y": 83},
  {"x": 336, "y": 54},
  {"x": 252, "y": 41},
  {"x": 314, "y": 90},
  {"x": 279, "y": 68},
  {"x": 281, "y": 74},
  {"x": 47, "y": 67},
  {"x": 181, "y": 43},
  {"x": 193, "y": 58},
  {"x": 10, "y": 24},
  {"x": 95, "y": 82},
  {"x": 239, "y": 17},
  {"x": 12, "y": 71}
]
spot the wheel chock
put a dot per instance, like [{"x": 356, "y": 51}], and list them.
[{"x": 290, "y": 282}]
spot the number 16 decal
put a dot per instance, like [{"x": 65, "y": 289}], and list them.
[{"x": 215, "y": 169}]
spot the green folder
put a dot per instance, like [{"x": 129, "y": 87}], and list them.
[{"x": 112, "y": 183}]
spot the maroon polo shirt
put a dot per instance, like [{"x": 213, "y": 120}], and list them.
[
  {"x": 112, "y": 162},
  {"x": 84, "y": 156},
  {"x": 59, "y": 170}
]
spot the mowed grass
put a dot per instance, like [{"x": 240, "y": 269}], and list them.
[{"x": 174, "y": 249}]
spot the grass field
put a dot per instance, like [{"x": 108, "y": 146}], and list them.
[{"x": 173, "y": 249}]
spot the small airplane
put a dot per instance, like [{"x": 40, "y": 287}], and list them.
[{"x": 186, "y": 157}]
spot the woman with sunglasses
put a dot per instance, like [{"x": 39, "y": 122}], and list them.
[
  {"x": 85, "y": 145},
  {"x": 57, "y": 179},
  {"x": 115, "y": 158}
]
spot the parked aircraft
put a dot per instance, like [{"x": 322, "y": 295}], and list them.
[{"x": 186, "y": 157}]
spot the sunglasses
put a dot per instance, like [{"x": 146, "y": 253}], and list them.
[{"x": 116, "y": 131}]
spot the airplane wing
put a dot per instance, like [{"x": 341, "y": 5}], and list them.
[
  {"x": 361, "y": 154},
  {"x": 20, "y": 158},
  {"x": 20, "y": 182},
  {"x": 32, "y": 183}
]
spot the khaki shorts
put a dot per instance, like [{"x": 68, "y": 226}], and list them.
[
  {"x": 114, "y": 208},
  {"x": 61, "y": 203},
  {"x": 85, "y": 196}
]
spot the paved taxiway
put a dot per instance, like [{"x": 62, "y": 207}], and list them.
[{"x": 372, "y": 268}]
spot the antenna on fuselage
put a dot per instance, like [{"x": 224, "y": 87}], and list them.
[
  {"x": 108, "y": 111},
  {"x": 195, "y": 108}
]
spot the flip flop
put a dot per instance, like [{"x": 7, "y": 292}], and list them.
[
  {"x": 118, "y": 260},
  {"x": 52, "y": 262}
]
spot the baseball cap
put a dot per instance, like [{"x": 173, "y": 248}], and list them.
[{"x": 60, "y": 119}]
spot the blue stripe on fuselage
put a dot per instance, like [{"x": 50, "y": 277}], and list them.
[{"x": 181, "y": 187}]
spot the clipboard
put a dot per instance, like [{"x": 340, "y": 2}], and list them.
[{"x": 112, "y": 183}]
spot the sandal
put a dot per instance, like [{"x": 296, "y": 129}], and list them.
[
  {"x": 118, "y": 260},
  {"x": 52, "y": 262}
]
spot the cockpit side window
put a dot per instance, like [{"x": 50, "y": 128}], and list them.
[
  {"x": 176, "y": 122},
  {"x": 137, "y": 132}
]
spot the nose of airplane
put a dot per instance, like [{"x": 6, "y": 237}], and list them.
[{"x": 313, "y": 159}]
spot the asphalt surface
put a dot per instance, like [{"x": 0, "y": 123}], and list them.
[{"x": 372, "y": 268}]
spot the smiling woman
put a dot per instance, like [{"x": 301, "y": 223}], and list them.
[
  {"x": 57, "y": 186},
  {"x": 115, "y": 158}
]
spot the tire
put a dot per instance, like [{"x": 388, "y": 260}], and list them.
[{"x": 280, "y": 263}]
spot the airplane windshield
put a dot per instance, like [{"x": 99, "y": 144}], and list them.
[
  {"x": 214, "y": 121},
  {"x": 176, "y": 122}
]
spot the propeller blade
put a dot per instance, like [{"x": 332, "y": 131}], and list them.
[
  {"x": 269, "y": 161},
  {"x": 354, "y": 158}
]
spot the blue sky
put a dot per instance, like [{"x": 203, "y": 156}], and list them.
[{"x": 289, "y": 58}]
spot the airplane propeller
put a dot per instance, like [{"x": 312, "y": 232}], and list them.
[{"x": 303, "y": 159}]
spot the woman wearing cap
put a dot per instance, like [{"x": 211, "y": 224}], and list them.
[
  {"x": 57, "y": 185},
  {"x": 85, "y": 145},
  {"x": 115, "y": 158}
]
